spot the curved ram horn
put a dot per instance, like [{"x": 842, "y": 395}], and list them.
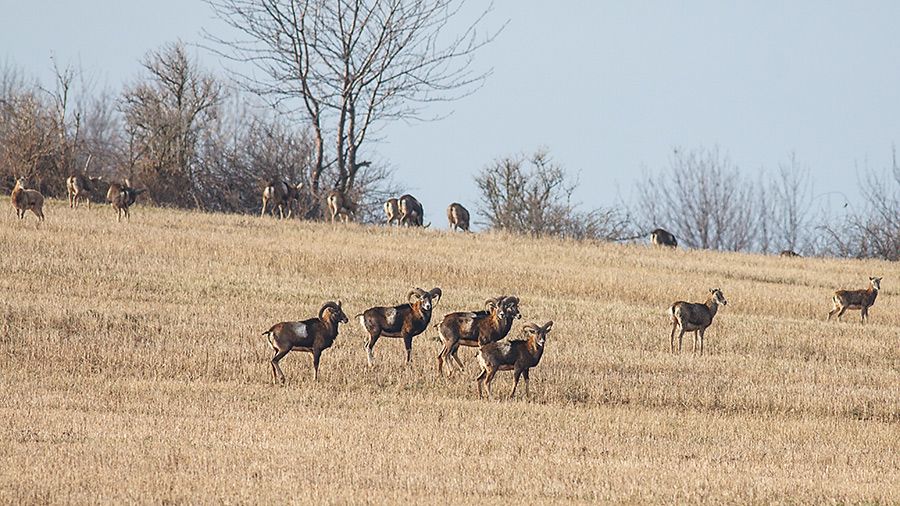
[
  {"x": 490, "y": 304},
  {"x": 510, "y": 300},
  {"x": 435, "y": 294},
  {"x": 546, "y": 327},
  {"x": 418, "y": 292},
  {"x": 531, "y": 327},
  {"x": 328, "y": 305}
]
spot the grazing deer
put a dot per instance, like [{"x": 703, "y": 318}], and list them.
[
  {"x": 458, "y": 216},
  {"x": 392, "y": 211},
  {"x": 694, "y": 317},
  {"x": 843, "y": 300},
  {"x": 121, "y": 197},
  {"x": 280, "y": 194},
  {"x": 24, "y": 199},
  {"x": 660, "y": 237},
  {"x": 411, "y": 212},
  {"x": 79, "y": 187},
  {"x": 341, "y": 206}
]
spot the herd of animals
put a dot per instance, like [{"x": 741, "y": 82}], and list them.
[{"x": 486, "y": 329}]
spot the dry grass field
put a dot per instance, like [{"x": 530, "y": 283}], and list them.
[{"x": 132, "y": 369}]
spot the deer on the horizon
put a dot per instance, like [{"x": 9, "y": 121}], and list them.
[
  {"x": 340, "y": 206},
  {"x": 280, "y": 194}
]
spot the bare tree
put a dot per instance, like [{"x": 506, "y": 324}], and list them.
[
  {"x": 874, "y": 230},
  {"x": 791, "y": 206},
  {"x": 348, "y": 65},
  {"x": 534, "y": 196},
  {"x": 703, "y": 199},
  {"x": 165, "y": 115}
]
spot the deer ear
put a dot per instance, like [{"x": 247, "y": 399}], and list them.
[{"x": 548, "y": 325}]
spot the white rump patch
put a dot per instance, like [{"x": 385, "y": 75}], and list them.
[
  {"x": 299, "y": 329},
  {"x": 362, "y": 321}
]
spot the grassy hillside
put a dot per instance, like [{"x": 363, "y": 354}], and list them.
[{"x": 132, "y": 369}]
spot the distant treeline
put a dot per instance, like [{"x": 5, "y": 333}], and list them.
[{"x": 193, "y": 142}]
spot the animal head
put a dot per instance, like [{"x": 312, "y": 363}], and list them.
[
  {"x": 496, "y": 305},
  {"x": 511, "y": 306},
  {"x": 337, "y": 313},
  {"x": 876, "y": 283},
  {"x": 427, "y": 299},
  {"x": 718, "y": 296},
  {"x": 20, "y": 182},
  {"x": 537, "y": 332}
]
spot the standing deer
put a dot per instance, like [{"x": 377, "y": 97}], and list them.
[
  {"x": 694, "y": 317},
  {"x": 392, "y": 211},
  {"x": 660, "y": 237},
  {"x": 79, "y": 187},
  {"x": 517, "y": 356},
  {"x": 458, "y": 216},
  {"x": 842, "y": 300},
  {"x": 341, "y": 207},
  {"x": 24, "y": 199},
  {"x": 121, "y": 197},
  {"x": 411, "y": 211},
  {"x": 280, "y": 194}
]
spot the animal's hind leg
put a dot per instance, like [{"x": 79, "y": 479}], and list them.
[
  {"x": 276, "y": 369},
  {"x": 442, "y": 358},
  {"x": 456, "y": 358},
  {"x": 841, "y": 313},
  {"x": 834, "y": 309},
  {"x": 370, "y": 347},
  {"x": 680, "y": 338}
]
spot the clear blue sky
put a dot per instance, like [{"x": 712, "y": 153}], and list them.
[{"x": 609, "y": 87}]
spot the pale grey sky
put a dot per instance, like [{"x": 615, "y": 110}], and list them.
[{"x": 609, "y": 87}]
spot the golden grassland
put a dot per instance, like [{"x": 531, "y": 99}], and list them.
[{"x": 132, "y": 369}]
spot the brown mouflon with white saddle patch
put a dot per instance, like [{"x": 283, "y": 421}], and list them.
[
  {"x": 694, "y": 317},
  {"x": 843, "y": 300},
  {"x": 516, "y": 356},
  {"x": 312, "y": 336}
]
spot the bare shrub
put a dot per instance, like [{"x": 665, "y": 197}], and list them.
[{"x": 534, "y": 196}]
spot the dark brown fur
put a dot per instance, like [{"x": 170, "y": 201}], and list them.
[
  {"x": 404, "y": 321},
  {"x": 312, "y": 336},
  {"x": 660, "y": 237},
  {"x": 842, "y": 300},
  {"x": 516, "y": 356},
  {"x": 80, "y": 187},
  {"x": 789, "y": 253},
  {"x": 458, "y": 216},
  {"x": 694, "y": 317},
  {"x": 280, "y": 194},
  {"x": 475, "y": 328},
  {"x": 411, "y": 212}
]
